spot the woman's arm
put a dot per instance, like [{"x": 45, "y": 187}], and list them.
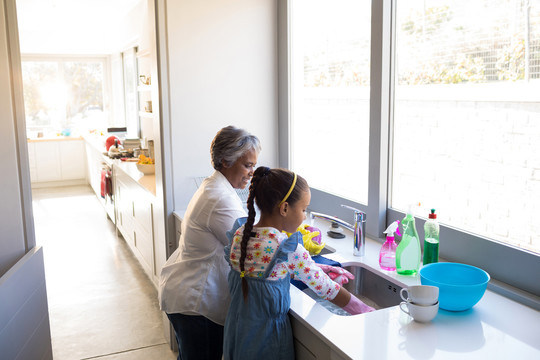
[{"x": 223, "y": 216}]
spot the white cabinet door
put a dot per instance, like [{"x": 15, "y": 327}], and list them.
[
  {"x": 72, "y": 159},
  {"x": 47, "y": 161},
  {"x": 57, "y": 160}
]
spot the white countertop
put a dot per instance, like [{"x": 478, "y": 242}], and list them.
[
  {"x": 495, "y": 328},
  {"x": 147, "y": 182}
]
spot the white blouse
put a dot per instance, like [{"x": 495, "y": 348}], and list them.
[{"x": 193, "y": 281}]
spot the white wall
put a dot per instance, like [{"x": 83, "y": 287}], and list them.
[
  {"x": 24, "y": 319},
  {"x": 76, "y": 27},
  {"x": 223, "y": 71},
  {"x": 12, "y": 245}
]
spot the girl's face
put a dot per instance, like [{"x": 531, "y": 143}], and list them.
[
  {"x": 240, "y": 173},
  {"x": 296, "y": 214}
]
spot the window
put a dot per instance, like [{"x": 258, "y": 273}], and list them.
[
  {"x": 466, "y": 115},
  {"x": 453, "y": 120},
  {"x": 64, "y": 95},
  {"x": 130, "y": 93},
  {"x": 330, "y": 88}
]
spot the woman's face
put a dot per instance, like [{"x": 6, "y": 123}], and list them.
[
  {"x": 296, "y": 213},
  {"x": 239, "y": 174}
]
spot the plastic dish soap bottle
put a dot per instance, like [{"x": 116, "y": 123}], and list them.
[
  {"x": 408, "y": 251},
  {"x": 387, "y": 255},
  {"x": 431, "y": 241}
]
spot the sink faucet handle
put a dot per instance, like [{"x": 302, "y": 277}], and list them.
[
  {"x": 350, "y": 208},
  {"x": 356, "y": 211}
]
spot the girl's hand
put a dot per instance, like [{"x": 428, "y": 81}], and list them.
[{"x": 337, "y": 274}]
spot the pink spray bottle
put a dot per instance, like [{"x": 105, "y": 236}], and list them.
[{"x": 387, "y": 255}]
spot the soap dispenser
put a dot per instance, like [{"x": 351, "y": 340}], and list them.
[
  {"x": 387, "y": 255},
  {"x": 408, "y": 251}
]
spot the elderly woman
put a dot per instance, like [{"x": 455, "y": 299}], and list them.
[{"x": 193, "y": 288}]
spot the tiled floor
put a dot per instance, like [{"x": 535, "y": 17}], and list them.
[{"x": 101, "y": 303}]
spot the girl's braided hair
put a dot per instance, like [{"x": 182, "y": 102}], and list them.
[{"x": 268, "y": 187}]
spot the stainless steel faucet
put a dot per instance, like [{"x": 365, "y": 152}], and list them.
[{"x": 358, "y": 228}]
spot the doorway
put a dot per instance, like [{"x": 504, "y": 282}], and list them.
[{"x": 52, "y": 28}]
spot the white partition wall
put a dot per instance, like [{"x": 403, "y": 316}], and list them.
[{"x": 24, "y": 319}]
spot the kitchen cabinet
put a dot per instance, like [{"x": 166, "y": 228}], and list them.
[
  {"x": 124, "y": 209},
  {"x": 135, "y": 216},
  {"x": 57, "y": 160},
  {"x": 95, "y": 163},
  {"x": 308, "y": 345},
  {"x": 72, "y": 160}
]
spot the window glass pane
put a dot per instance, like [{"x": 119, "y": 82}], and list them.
[
  {"x": 41, "y": 82},
  {"x": 63, "y": 97},
  {"x": 466, "y": 121},
  {"x": 84, "y": 82},
  {"x": 130, "y": 93},
  {"x": 330, "y": 52}
]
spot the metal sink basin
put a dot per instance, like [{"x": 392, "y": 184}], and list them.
[
  {"x": 369, "y": 286},
  {"x": 327, "y": 250}
]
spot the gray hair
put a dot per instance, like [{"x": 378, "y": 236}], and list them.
[{"x": 230, "y": 144}]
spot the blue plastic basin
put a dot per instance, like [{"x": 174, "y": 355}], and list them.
[{"x": 460, "y": 286}]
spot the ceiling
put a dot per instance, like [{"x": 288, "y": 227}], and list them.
[{"x": 72, "y": 26}]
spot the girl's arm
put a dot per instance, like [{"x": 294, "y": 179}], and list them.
[
  {"x": 302, "y": 266},
  {"x": 350, "y": 303},
  {"x": 342, "y": 298}
]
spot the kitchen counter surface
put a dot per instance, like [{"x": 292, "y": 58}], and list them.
[
  {"x": 147, "y": 182},
  {"x": 495, "y": 328},
  {"x": 55, "y": 138}
]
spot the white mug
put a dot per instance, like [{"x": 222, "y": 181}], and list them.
[
  {"x": 420, "y": 294},
  {"x": 420, "y": 313}
]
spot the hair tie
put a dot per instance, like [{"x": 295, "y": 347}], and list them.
[
  {"x": 242, "y": 274},
  {"x": 266, "y": 171},
  {"x": 290, "y": 190}
]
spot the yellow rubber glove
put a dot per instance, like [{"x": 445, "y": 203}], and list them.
[{"x": 311, "y": 238}]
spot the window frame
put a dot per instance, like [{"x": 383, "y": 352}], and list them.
[{"x": 508, "y": 266}]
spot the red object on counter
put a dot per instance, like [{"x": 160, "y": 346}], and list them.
[{"x": 110, "y": 142}]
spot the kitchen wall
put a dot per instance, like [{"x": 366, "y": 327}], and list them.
[
  {"x": 12, "y": 241},
  {"x": 222, "y": 71},
  {"x": 24, "y": 319}
]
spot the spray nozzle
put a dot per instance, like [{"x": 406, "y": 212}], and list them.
[{"x": 393, "y": 228}]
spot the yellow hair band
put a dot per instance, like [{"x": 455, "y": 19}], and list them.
[
  {"x": 242, "y": 274},
  {"x": 290, "y": 190}
]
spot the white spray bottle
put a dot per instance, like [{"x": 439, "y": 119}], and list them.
[{"x": 387, "y": 255}]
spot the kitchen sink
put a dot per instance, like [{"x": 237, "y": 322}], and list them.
[
  {"x": 327, "y": 250},
  {"x": 369, "y": 286}
]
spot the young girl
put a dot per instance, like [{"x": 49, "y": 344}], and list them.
[{"x": 262, "y": 258}]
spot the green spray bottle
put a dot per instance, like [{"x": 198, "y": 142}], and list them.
[{"x": 408, "y": 252}]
